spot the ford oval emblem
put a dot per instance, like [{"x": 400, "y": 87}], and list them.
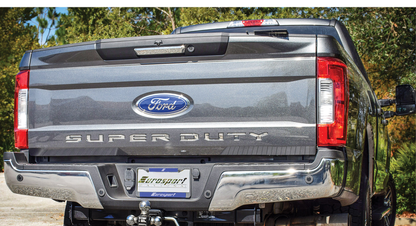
[{"x": 165, "y": 104}]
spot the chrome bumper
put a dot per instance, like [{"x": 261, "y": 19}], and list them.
[
  {"x": 265, "y": 183},
  {"x": 76, "y": 186},
  {"x": 239, "y": 188}
]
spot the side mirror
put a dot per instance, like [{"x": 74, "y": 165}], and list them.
[
  {"x": 386, "y": 102},
  {"x": 389, "y": 114},
  {"x": 405, "y": 100}
]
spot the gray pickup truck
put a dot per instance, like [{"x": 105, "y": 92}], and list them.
[{"x": 258, "y": 122}]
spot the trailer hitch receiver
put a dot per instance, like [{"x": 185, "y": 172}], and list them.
[{"x": 148, "y": 216}]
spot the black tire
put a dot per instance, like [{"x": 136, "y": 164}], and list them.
[
  {"x": 389, "y": 199},
  {"x": 67, "y": 214},
  {"x": 68, "y": 221},
  {"x": 360, "y": 211}
]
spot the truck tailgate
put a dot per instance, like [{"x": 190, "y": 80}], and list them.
[{"x": 253, "y": 95}]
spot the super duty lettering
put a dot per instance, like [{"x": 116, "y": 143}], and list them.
[
  {"x": 163, "y": 137},
  {"x": 266, "y": 122}
]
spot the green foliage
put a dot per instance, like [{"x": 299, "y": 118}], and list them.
[
  {"x": 45, "y": 22},
  {"x": 385, "y": 40},
  {"x": 192, "y": 16},
  {"x": 384, "y": 37},
  {"x": 16, "y": 38},
  {"x": 403, "y": 166},
  {"x": 90, "y": 24},
  {"x": 87, "y": 24}
]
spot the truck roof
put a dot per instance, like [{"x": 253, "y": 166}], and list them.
[
  {"x": 280, "y": 22},
  {"x": 287, "y": 27},
  {"x": 294, "y": 26}
]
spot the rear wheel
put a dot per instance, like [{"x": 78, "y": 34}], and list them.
[
  {"x": 388, "y": 200},
  {"x": 70, "y": 221},
  {"x": 360, "y": 211}
]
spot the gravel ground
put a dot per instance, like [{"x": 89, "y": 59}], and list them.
[
  {"x": 405, "y": 221},
  {"x": 27, "y": 210},
  {"x": 34, "y": 211}
]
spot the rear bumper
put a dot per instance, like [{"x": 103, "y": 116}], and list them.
[
  {"x": 230, "y": 185},
  {"x": 60, "y": 184},
  {"x": 239, "y": 188}
]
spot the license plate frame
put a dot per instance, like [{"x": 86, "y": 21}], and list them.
[{"x": 163, "y": 183}]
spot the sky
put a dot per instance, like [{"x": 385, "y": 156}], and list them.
[{"x": 63, "y": 10}]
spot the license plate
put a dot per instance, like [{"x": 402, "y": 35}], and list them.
[{"x": 163, "y": 183}]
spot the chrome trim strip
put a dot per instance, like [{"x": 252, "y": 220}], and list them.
[
  {"x": 237, "y": 188},
  {"x": 160, "y": 50},
  {"x": 191, "y": 125},
  {"x": 76, "y": 186}
]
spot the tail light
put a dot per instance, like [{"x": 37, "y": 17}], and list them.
[
  {"x": 20, "y": 110},
  {"x": 332, "y": 102},
  {"x": 253, "y": 23}
]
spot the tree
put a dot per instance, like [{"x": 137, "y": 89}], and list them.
[
  {"x": 16, "y": 37},
  {"x": 170, "y": 16},
  {"x": 385, "y": 40},
  {"x": 155, "y": 21},
  {"x": 86, "y": 24},
  {"x": 46, "y": 21},
  {"x": 384, "y": 37},
  {"x": 404, "y": 173}
]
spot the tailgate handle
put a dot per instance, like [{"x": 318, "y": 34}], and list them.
[{"x": 160, "y": 50}]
